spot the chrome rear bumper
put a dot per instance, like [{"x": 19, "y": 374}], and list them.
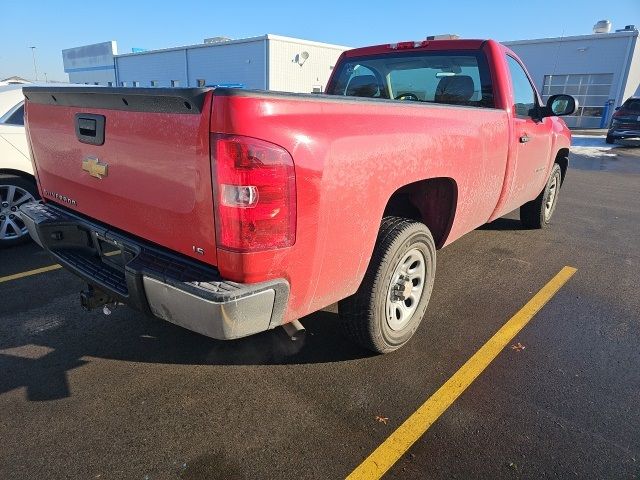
[{"x": 156, "y": 281}]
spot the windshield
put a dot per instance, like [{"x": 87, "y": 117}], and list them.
[{"x": 457, "y": 78}]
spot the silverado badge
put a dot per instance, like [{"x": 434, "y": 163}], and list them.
[{"x": 95, "y": 168}]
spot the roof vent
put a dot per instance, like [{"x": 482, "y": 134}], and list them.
[
  {"x": 216, "y": 40},
  {"x": 628, "y": 28},
  {"x": 603, "y": 26},
  {"x": 446, "y": 36}
]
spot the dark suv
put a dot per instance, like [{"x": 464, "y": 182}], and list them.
[{"x": 625, "y": 122}]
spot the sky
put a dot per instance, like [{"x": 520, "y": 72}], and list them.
[{"x": 52, "y": 26}]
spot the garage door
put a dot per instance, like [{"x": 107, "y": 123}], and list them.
[{"x": 591, "y": 90}]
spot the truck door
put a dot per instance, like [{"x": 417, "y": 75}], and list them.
[{"x": 530, "y": 140}]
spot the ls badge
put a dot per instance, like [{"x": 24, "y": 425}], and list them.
[{"x": 95, "y": 168}]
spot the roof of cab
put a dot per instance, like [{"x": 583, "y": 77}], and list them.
[{"x": 463, "y": 44}]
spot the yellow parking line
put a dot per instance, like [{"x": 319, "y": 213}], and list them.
[
  {"x": 37, "y": 271},
  {"x": 396, "y": 445},
  {"x": 16, "y": 276}
]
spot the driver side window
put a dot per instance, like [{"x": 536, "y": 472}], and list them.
[{"x": 524, "y": 96}]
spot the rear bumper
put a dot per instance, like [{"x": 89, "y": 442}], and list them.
[
  {"x": 624, "y": 132},
  {"x": 156, "y": 281}
]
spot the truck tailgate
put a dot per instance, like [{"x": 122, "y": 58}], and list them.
[{"x": 136, "y": 159}]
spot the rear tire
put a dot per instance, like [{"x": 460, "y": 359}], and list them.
[
  {"x": 389, "y": 305},
  {"x": 14, "y": 192},
  {"x": 610, "y": 140},
  {"x": 537, "y": 213}
]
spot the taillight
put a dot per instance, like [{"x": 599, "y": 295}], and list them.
[{"x": 255, "y": 194}]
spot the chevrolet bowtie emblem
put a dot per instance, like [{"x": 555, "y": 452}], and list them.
[{"x": 96, "y": 169}]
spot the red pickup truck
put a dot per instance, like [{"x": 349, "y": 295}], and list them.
[{"x": 230, "y": 212}]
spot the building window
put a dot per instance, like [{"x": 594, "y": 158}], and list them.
[
  {"x": 109, "y": 84},
  {"x": 123, "y": 84},
  {"x": 201, "y": 82},
  {"x": 175, "y": 83},
  {"x": 154, "y": 83},
  {"x": 591, "y": 91},
  {"x": 135, "y": 84}
]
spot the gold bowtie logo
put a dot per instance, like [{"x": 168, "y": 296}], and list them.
[{"x": 93, "y": 167}]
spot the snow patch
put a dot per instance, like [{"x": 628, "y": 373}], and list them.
[
  {"x": 590, "y": 141},
  {"x": 591, "y": 146}
]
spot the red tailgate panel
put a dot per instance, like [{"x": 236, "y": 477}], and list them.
[{"x": 158, "y": 184}]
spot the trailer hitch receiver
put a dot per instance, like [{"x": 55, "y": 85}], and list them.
[{"x": 93, "y": 298}]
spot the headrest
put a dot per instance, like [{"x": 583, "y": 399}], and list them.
[
  {"x": 363, "y": 86},
  {"x": 454, "y": 89}
]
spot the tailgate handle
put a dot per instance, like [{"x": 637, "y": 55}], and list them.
[{"x": 90, "y": 128}]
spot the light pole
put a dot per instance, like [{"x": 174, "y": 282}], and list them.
[
  {"x": 46, "y": 80},
  {"x": 35, "y": 68}
]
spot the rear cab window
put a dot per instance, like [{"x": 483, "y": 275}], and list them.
[{"x": 449, "y": 77}]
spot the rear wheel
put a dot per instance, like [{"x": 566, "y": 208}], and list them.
[
  {"x": 537, "y": 213},
  {"x": 389, "y": 305},
  {"x": 610, "y": 139},
  {"x": 14, "y": 192}
]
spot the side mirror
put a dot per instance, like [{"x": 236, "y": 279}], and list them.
[{"x": 559, "y": 105}]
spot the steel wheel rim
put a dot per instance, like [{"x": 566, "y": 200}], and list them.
[
  {"x": 405, "y": 290},
  {"x": 11, "y": 224},
  {"x": 551, "y": 197}
]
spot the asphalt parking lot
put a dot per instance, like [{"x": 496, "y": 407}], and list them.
[{"x": 125, "y": 396}]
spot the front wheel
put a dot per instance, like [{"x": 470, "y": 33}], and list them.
[
  {"x": 14, "y": 192},
  {"x": 389, "y": 305},
  {"x": 537, "y": 213}
]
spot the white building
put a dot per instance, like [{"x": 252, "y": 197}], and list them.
[
  {"x": 92, "y": 64},
  {"x": 268, "y": 62},
  {"x": 599, "y": 69}
]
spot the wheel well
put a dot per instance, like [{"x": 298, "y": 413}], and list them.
[
  {"x": 19, "y": 173},
  {"x": 432, "y": 202},
  {"x": 562, "y": 159}
]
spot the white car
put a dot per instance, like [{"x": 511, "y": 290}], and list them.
[{"x": 17, "y": 183}]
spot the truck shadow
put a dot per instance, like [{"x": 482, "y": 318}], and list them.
[
  {"x": 41, "y": 362},
  {"x": 503, "y": 224}
]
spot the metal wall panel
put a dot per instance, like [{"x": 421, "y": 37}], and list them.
[
  {"x": 161, "y": 67},
  {"x": 288, "y": 75},
  {"x": 243, "y": 63}
]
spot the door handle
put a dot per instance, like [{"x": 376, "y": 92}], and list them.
[{"x": 524, "y": 138}]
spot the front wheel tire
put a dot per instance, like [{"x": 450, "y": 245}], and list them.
[
  {"x": 537, "y": 213},
  {"x": 389, "y": 305}
]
